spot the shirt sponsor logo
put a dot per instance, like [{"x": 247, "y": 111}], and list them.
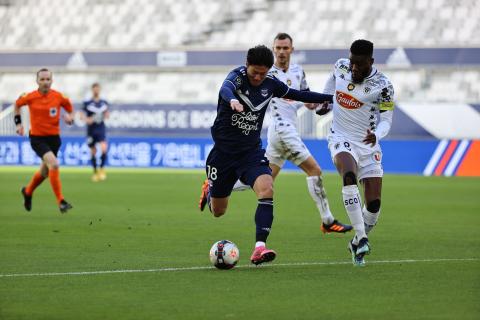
[
  {"x": 347, "y": 101},
  {"x": 246, "y": 122}
]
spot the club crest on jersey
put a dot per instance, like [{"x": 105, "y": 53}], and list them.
[
  {"x": 52, "y": 111},
  {"x": 264, "y": 93},
  {"x": 289, "y": 82},
  {"x": 350, "y": 86},
  {"x": 377, "y": 156},
  {"x": 347, "y": 101}
]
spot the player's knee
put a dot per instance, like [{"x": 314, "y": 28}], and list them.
[
  {"x": 218, "y": 209},
  {"x": 218, "y": 212},
  {"x": 373, "y": 206},
  {"x": 266, "y": 191},
  {"x": 349, "y": 178},
  {"x": 53, "y": 166}
]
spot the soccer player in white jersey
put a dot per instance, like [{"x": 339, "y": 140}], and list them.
[
  {"x": 284, "y": 142},
  {"x": 362, "y": 115}
]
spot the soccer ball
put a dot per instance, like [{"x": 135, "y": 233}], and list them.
[{"x": 224, "y": 254}]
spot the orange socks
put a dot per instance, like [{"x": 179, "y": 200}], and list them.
[
  {"x": 37, "y": 179},
  {"x": 56, "y": 184}
]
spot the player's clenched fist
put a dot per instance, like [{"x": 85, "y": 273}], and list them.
[
  {"x": 19, "y": 129},
  {"x": 67, "y": 117},
  {"x": 370, "y": 138},
  {"x": 236, "y": 105}
]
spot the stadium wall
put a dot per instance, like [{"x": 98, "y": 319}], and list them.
[
  {"x": 400, "y": 57},
  {"x": 423, "y": 157}
]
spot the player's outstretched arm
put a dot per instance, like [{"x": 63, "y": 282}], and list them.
[{"x": 308, "y": 96}]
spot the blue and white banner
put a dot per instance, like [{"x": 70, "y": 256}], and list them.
[
  {"x": 122, "y": 152},
  {"x": 160, "y": 120},
  {"x": 399, "y": 156}
]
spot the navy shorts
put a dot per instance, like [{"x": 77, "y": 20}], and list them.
[
  {"x": 44, "y": 144},
  {"x": 223, "y": 170},
  {"x": 95, "y": 136}
]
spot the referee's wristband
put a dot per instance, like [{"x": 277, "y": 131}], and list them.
[{"x": 18, "y": 119}]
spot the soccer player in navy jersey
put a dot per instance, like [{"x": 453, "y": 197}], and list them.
[
  {"x": 96, "y": 112},
  {"x": 237, "y": 152},
  {"x": 284, "y": 141}
]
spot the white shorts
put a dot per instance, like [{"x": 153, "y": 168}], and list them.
[
  {"x": 284, "y": 143},
  {"x": 369, "y": 159}
]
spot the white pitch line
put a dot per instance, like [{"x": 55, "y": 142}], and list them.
[{"x": 293, "y": 264}]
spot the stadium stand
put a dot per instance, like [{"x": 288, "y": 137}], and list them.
[
  {"x": 227, "y": 23},
  {"x": 134, "y": 25}
]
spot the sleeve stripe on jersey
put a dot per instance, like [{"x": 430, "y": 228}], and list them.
[
  {"x": 231, "y": 83},
  {"x": 288, "y": 89}
]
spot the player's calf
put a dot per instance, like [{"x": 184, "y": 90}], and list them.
[{"x": 371, "y": 212}]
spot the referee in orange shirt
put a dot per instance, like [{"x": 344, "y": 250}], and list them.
[{"x": 44, "y": 105}]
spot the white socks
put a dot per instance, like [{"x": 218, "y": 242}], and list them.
[
  {"x": 353, "y": 205},
  {"x": 370, "y": 219},
  {"x": 319, "y": 196},
  {"x": 240, "y": 186}
]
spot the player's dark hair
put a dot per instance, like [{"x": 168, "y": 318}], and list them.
[
  {"x": 260, "y": 56},
  {"x": 362, "y": 47},
  {"x": 96, "y": 84},
  {"x": 42, "y": 70},
  {"x": 283, "y": 36}
]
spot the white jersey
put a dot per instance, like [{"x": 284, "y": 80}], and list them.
[
  {"x": 356, "y": 106},
  {"x": 284, "y": 110}
]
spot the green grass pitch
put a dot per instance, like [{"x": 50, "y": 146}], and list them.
[{"x": 425, "y": 260}]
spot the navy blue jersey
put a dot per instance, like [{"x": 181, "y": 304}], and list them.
[
  {"x": 95, "y": 109},
  {"x": 235, "y": 132}
]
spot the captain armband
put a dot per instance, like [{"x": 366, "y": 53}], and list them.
[
  {"x": 17, "y": 119},
  {"x": 386, "y": 106}
]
